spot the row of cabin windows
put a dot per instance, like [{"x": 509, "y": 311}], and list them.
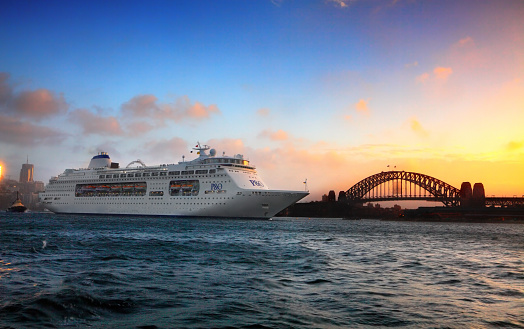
[
  {"x": 162, "y": 173},
  {"x": 222, "y": 161}
]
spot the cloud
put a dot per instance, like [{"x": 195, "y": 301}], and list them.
[
  {"x": 417, "y": 128},
  {"x": 165, "y": 150},
  {"x": 263, "y": 112},
  {"x": 229, "y": 145},
  {"x": 40, "y": 103},
  {"x": 362, "y": 106},
  {"x": 6, "y": 91},
  {"x": 415, "y": 63},
  {"x": 342, "y": 3},
  {"x": 422, "y": 78},
  {"x": 139, "y": 128},
  {"x": 465, "y": 41},
  {"x": 141, "y": 106},
  {"x": 37, "y": 104},
  {"x": 147, "y": 106},
  {"x": 14, "y": 131},
  {"x": 514, "y": 146},
  {"x": 442, "y": 73},
  {"x": 468, "y": 58},
  {"x": 279, "y": 135},
  {"x": 92, "y": 123},
  {"x": 199, "y": 110}
]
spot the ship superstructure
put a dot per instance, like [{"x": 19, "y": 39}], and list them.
[{"x": 208, "y": 186}]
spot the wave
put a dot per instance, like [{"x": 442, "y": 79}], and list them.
[{"x": 68, "y": 305}]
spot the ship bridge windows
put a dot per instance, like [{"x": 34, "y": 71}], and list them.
[
  {"x": 163, "y": 173},
  {"x": 183, "y": 187},
  {"x": 174, "y": 173},
  {"x": 146, "y": 174},
  {"x": 201, "y": 172},
  {"x": 188, "y": 172},
  {"x": 154, "y": 174},
  {"x": 138, "y": 175}
]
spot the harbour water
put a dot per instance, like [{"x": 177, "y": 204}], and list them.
[{"x": 154, "y": 272}]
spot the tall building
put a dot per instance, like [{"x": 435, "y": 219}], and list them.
[{"x": 26, "y": 173}]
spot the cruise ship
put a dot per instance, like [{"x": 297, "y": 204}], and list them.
[{"x": 208, "y": 186}]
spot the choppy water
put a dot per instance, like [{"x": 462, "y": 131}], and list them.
[{"x": 144, "y": 272}]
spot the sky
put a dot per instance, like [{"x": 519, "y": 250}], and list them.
[{"x": 331, "y": 91}]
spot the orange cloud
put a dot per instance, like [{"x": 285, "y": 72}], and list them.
[
  {"x": 6, "y": 91},
  {"x": 341, "y": 3},
  {"x": 13, "y": 131},
  {"x": 200, "y": 111},
  {"x": 422, "y": 78},
  {"x": 417, "y": 128},
  {"x": 37, "y": 104},
  {"x": 442, "y": 73},
  {"x": 263, "y": 112},
  {"x": 514, "y": 146},
  {"x": 279, "y": 135},
  {"x": 141, "y": 106},
  {"x": 146, "y": 106},
  {"x": 229, "y": 145},
  {"x": 139, "y": 128},
  {"x": 465, "y": 41},
  {"x": 362, "y": 106},
  {"x": 95, "y": 124},
  {"x": 163, "y": 150}
]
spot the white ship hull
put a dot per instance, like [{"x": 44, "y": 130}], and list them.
[
  {"x": 238, "y": 206},
  {"x": 206, "y": 187}
]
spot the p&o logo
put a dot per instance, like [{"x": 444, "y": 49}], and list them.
[
  {"x": 216, "y": 186},
  {"x": 256, "y": 183}
]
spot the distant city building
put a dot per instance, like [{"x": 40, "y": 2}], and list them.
[
  {"x": 342, "y": 196},
  {"x": 26, "y": 173},
  {"x": 39, "y": 186},
  {"x": 27, "y": 188}
]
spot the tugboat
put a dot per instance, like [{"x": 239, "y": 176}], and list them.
[{"x": 17, "y": 206}]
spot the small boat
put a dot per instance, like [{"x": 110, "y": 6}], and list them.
[{"x": 17, "y": 206}]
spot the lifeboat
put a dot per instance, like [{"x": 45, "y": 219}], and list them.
[
  {"x": 128, "y": 187},
  {"x": 103, "y": 188}
]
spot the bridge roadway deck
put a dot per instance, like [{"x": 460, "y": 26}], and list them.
[{"x": 490, "y": 201}]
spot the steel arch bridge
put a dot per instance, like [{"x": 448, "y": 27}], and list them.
[{"x": 402, "y": 185}]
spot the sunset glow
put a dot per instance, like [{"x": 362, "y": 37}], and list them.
[{"x": 328, "y": 91}]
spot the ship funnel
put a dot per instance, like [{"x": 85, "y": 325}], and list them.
[{"x": 101, "y": 160}]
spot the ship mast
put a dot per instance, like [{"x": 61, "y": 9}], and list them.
[{"x": 201, "y": 149}]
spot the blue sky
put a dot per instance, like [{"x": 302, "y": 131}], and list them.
[{"x": 302, "y": 88}]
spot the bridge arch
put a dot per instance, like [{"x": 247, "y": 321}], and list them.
[{"x": 440, "y": 191}]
